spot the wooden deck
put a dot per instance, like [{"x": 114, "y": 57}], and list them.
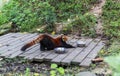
[{"x": 10, "y": 45}]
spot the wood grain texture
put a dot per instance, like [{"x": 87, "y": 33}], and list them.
[
  {"x": 74, "y": 53},
  {"x": 11, "y": 43},
  {"x": 79, "y": 58}
]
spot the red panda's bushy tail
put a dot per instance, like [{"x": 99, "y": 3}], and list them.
[{"x": 33, "y": 42}]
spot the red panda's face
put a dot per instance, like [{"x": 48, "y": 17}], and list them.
[{"x": 64, "y": 38}]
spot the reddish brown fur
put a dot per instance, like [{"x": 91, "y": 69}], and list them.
[{"x": 56, "y": 41}]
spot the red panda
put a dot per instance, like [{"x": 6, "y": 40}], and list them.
[{"x": 48, "y": 43}]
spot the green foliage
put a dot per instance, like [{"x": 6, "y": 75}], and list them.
[
  {"x": 53, "y": 66},
  {"x": 84, "y": 24},
  {"x": 114, "y": 49},
  {"x": 110, "y": 16},
  {"x": 61, "y": 70},
  {"x": 114, "y": 62},
  {"x": 3, "y": 18},
  {"x": 113, "y": 58},
  {"x": 56, "y": 71},
  {"x": 27, "y": 72},
  {"x": 29, "y": 14},
  {"x": 70, "y": 8},
  {"x": 5, "y": 28}
]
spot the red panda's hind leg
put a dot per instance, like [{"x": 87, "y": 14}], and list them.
[
  {"x": 46, "y": 44},
  {"x": 42, "y": 47}
]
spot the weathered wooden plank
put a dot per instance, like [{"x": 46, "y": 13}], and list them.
[
  {"x": 11, "y": 43},
  {"x": 11, "y": 39},
  {"x": 42, "y": 55},
  {"x": 53, "y": 54},
  {"x": 12, "y": 49},
  {"x": 8, "y": 38},
  {"x": 16, "y": 53},
  {"x": 26, "y": 54},
  {"x": 79, "y": 58},
  {"x": 31, "y": 56},
  {"x": 73, "y": 54},
  {"x": 95, "y": 51},
  {"x": 30, "y": 50},
  {"x": 80, "y": 55},
  {"x": 6, "y": 35},
  {"x": 60, "y": 57},
  {"x": 35, "y": 53},
  {"x": 14, "y": 38},
  {"x": 45, "y": 54},
  {"x": 87, "y": 61},
  {"x": 50, "y": 56}
]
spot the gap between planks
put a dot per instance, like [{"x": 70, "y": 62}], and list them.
[
  {"x": 81, "y": 56},
  {"x": 43, "y": 55}
]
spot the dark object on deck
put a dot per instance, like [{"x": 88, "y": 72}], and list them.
[
  {"x": 60, "y": 50},
  {"x": 80, "y": 43}
]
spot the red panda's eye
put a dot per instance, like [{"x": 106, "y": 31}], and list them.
[{"x": 63, "y": 39}]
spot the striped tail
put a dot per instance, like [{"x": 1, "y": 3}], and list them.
[{"x": 33, "y": 42}]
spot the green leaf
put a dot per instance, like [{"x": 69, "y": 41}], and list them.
[
  {"x": 53, "y": 66},
  {"x": 61, "y": 70},
  {"x": 52, "y": 73},
  {"x": 27, "y": 72}
]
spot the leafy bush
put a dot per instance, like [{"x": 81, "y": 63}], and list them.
[
  {"x": 114, "y": 49},
  {"x": 113, "y": 58},
  {"x": 56, "y": 70},
  {"x": 29, "y": 14},
  {"x": 84, "y": 24},
  {"x": 110, "y": 16},
  {"x": 3, "y": 18},
  {"x": 70, "y": 8}
]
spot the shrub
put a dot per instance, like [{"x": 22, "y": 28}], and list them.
[
  {"x": 3, "y": 18},
  {"x": 110, "y": 16},
  {"x": 113, "y": 58},
  {"x": 29, "y": 14},
  {"x": 84, "y": 24}
]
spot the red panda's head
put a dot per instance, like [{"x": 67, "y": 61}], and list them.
[{"x": 64, "y": 38}]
